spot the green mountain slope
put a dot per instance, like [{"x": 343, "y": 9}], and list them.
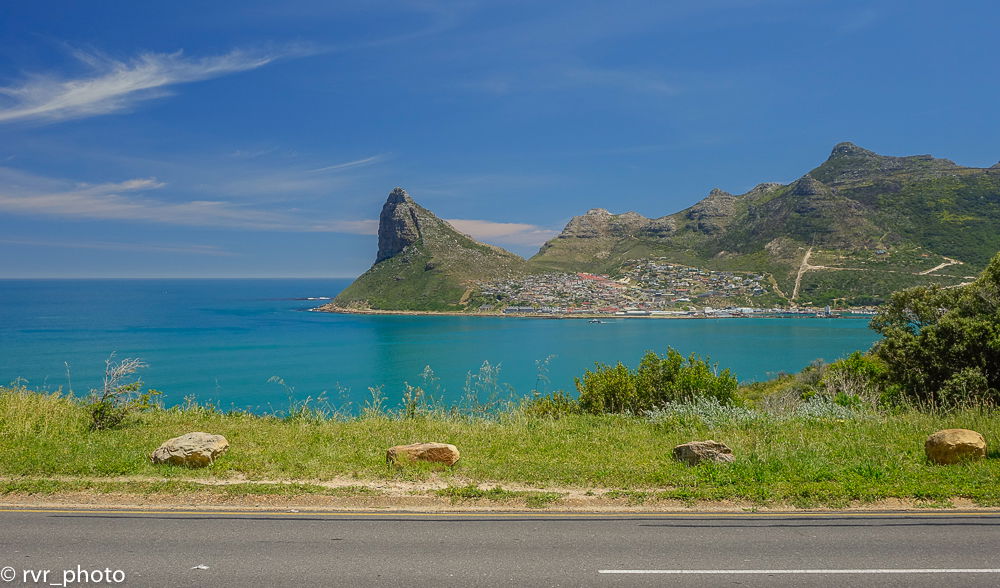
[
  {"x": 423, "y": 263},
  {"x": 857, "y": 227}
]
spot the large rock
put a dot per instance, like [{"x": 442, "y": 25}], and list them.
[
  {"x": 436, "y": 452},
  {"x": 399, "y": 225},
  {"x": 696, "y": 452},
  {"x": 955, "y": 445},
  {"x": 193, "y": 450}
]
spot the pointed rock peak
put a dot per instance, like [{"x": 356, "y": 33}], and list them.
[
  {"x": 848, "y": 149},
  {"x": 598, "y": 212},
  {"x": 398, "y": 195},
  {"x": 716, "y": 193},
  {"x": 399, "y": 225}
]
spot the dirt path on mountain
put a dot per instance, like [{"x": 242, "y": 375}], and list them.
[
  {"x": 805, "y": 266},
  {"x": 940, "y": 266}
]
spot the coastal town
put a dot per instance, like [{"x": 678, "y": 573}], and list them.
[{"x": 648, "y": 287}]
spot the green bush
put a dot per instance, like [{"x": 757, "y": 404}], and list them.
[
  {"x": 115, "y": 401},
  {"x": 658, "y": 380},
  {"x": 941, "y": 347},
  {"x": 857, "y": 380},
  {"x": 552, "y": 405}
]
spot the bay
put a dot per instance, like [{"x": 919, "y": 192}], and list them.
[{"x": 227, "y": 341}]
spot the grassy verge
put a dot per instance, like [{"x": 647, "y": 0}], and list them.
[
  {"x": 817, "y": 457},
  {"x": 42, "y": 486}
]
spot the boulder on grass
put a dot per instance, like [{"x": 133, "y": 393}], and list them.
[
  {"x": 954, "y": 446},
  {"x": 194, "y": 450},
  {"x": 436, "y": 452},
  {"x": 696, "y": 452}
]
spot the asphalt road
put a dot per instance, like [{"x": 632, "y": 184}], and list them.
[{"x": 246, "y": 549}]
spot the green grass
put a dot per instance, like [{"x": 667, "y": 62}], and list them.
[
  {"x": 780, "y": 458},
  {"x": 471, "y": 492},
  {"x": 39, "y": 486}
]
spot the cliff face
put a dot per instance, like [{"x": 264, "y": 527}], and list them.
[{"x": 398, "y": 226}]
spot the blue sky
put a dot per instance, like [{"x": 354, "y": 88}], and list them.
[{"x": 260, "y": 138}]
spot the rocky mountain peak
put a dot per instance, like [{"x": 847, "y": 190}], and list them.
[
  {"x": 598, "y": 222},
  {"x": 849, "y": 163},
  {"x": 710, "y": 214},
  {"x": 399, "y": 225},
  {"x": 808, "y": 186},
  {"x": 848, "y": 149},
  {"x": 398, "y": 196}
]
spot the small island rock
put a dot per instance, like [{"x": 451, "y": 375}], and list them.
[
  {"x": 696, "y": 452},
  {"x": 955, "y": 445},
  {"x": 193, "y": 450},
  {"x": 436, "y": 452}
]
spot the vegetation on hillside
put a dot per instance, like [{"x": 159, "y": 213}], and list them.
[
  {"x": 875, "y": 222},
  {"x": 941, "y": 347}
]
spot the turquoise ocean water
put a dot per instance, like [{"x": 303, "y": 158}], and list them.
[{"x": 222, "y": 340}]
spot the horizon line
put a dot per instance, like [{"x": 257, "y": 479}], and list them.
[{"x": 3, "y": 278}]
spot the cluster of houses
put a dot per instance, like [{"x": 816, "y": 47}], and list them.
[
  {"x": 661, "y": 283},
  {"x": 645, "y": 287},
  {"x": 549, "y": 292}
]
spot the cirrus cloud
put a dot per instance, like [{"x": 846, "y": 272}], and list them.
[
  {"x": 114, "y": 85},
  {"x": 128, "y": 201},
  {"x": 506, "y": 233}
]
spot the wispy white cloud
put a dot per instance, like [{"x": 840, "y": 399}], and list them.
[
  {"x": 113, "y": 85},
  {"x": 283, "y": 180},
  {"x": 128, "y": 201},
  {"x": 504, "y": 233},
  {"x": 252, "y": 153},
  {"x": 354, "y": 227},
  {"x": 352, "y": 164},
  {"x": 118, "y": 246}
]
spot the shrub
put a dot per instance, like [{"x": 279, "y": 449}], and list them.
[
  {"x": 856, "y": 380},
  {"x": 941, "y": 346},
  {"x": 117, "y": 399},
  {"x": 552, "y": 405},
  {"x": 609, "y": 389},
  {"x": 657, "y": 381},
  {"x": 707, "y": 411}
]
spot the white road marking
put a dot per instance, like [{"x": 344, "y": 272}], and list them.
[{"x": 839, "y": 571}]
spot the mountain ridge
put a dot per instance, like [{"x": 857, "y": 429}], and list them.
[{"x": 892, "y": 217}]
